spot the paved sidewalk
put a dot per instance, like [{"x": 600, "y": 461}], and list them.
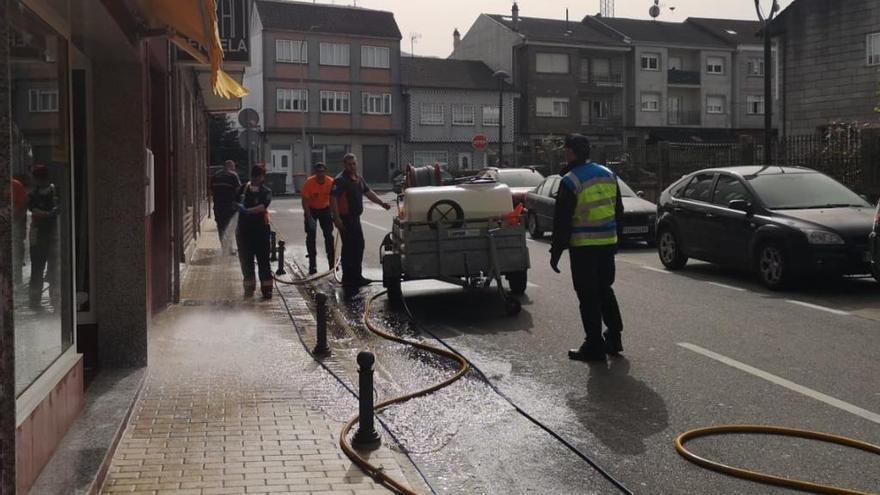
[{"x": 233, "y": 404}]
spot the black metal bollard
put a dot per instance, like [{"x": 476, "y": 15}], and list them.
[
  {"x": 273, "y": 246},
  {"x": 321, "y": 347},
  {"x": 280, "y": 270},
  {"x": 366, "y": 438}
]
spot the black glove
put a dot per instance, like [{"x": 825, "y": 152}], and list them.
[{"x": 554, "y": 261}]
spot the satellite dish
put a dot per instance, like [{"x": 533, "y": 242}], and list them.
[
  {"x": 654, "y": 11},
  {"x": 248, "y": 118}
]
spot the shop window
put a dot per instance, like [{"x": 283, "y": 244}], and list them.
[{"x": 41, "y": 190}]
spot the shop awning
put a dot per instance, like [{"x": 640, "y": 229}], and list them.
[{"x": 194, "y": 21}]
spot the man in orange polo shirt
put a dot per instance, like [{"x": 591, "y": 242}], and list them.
[{"x": 316, "y": 210}]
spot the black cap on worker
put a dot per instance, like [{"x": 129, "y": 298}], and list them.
[
  {"x": 579, "y": 145},
  {"x": 320, "y": 167}
]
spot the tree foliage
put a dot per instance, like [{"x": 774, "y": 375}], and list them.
[{"x": 224, "y": 142}]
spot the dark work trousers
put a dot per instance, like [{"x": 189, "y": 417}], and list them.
[
  {"x": 352, "y": 249},
  {"x": 223, "y": 215},
  {"x": 592, "y": 272},
  {"x": 324, "y": 218},
  {"x": 254, "y": 243},
  {"x": 19, "y": 233},
  {"x": 44, "y": 260}
]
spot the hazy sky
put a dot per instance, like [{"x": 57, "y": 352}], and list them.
[{"x": 435, "y": 19}]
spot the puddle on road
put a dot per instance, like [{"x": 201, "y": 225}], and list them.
[{"x": 466, "y": 438}]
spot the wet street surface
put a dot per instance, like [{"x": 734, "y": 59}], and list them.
[{"x": 703, "y": 347}]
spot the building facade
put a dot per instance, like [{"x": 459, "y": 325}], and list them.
[
  {"x": 330, "y": 73},
  {"x": 449, "y": 103},
  {"x": 569, "y": 75},
  {"x": 113, "y": 115},
  {"x": 830, "y": 54}
]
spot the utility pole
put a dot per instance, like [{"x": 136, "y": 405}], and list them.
[
  {"x": 502, "y": 77},
  {"x": 768, "y": 71}
]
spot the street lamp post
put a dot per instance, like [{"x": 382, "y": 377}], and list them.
[
  {"x": 303, "y": 67},
  {"x": 502, "y": 77},
  {"x": 768, "y": 86}
]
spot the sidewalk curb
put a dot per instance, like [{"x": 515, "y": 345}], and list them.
[{"x": 348, "y": 369}]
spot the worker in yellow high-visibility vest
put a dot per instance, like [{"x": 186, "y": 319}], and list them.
[{"x": 588, "y": 209}]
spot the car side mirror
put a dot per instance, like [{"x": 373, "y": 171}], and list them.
[
  {"x": 740, "y": 205},
  {"x": 640, "y": 194}
]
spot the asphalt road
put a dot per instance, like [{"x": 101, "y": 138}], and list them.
[{"x": 704, "y": 346}]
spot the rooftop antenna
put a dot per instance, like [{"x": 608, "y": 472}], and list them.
[
  {"x": 413, "y": 37},
  {"x": 606, "y": 8},
  {"x": 567, "y": 26}
]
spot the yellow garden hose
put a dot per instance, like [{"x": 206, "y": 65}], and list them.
[
  {"x": 375, "y": 471},
  {"x": 319, "y": 276},
  {"x": 768, "y": 478}
]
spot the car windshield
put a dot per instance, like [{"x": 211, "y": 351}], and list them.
[
  {"x": 625, "y": 190},
  {"x": 520, "y": 178},
  {"x": 802, "y": 191}
]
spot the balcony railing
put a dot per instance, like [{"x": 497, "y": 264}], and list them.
[
  {"x": 610, "y": 121},
  {"x": 602, "y": 79},
  {"x": 684, "y": 117},
  {"x": 686, "y": 77}
]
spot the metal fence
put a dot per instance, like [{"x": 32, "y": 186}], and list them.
[{"x": 852, "y": 156}]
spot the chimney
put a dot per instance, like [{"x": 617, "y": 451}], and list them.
[
  {"x": 456, "y": 40},
  {"x": 514, "y": 14}
]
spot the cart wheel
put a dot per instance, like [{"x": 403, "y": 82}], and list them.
[
  {"x": 518, "y": 282},
  {"x": 512, "y": 306},
  {"x": 447, "y": 213}
]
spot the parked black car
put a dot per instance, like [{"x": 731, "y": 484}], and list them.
[
  {"x": 875, "y": 244},
  {"x": 639, "y": 215},
  {"x": 780, "y": 222}
]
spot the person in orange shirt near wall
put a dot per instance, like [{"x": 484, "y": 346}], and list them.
[{"x": 316, "y": 210}]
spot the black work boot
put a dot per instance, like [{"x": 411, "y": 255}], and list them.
[
  {"x": 613, "y": 343},
  {"x": 588, "y": 353},
  {"x": 313, "y": 267}
]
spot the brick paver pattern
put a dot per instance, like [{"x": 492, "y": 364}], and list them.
[{"x": 232, "y": 404}]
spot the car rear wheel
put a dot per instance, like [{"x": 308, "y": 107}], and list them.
[
  {"x": 669, "y": 250},
  {"x": 534, "y": 231},
  {"x": 773, "y": 266}
]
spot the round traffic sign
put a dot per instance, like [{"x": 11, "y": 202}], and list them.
[
  {"x": 480, "y": 142},
  {"x": 248, "y": 118}
]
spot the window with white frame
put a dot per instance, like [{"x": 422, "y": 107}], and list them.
[
  {"x": 378, "y": 57},
  {"x": 715, "y": 65},
  {"x": 755, "y": 105},
  {"x": 335, "y": 54},
  {"x": 650, "y": 61},
  {"x": 873, "y": 44},
  {"x": 376, "y": 103},
  {"x": 551, "y": 107},
  {"x": 43, "y": 100},
  {"x": 292, "y": 100},
  {"x": 755, "y": 67},
  {"x": 551, "y": 63},
  {"x": 432, "y": 114},
  {"x": 491, "y": 116},
  {"x": 463, "y": 115},
  {"x": 650, "y": 102},
  {"x": 422, "y": 158},
  {"x": 292, "y": 51},
  {"x": 335, "y": 102},
  {"x": 715, "y": 104}
]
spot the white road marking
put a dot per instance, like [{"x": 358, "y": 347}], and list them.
[
  {"x": 725, "y": 286},
  {"x": 820, "y": 308},
  {"x": 532, "y": 285},
  {"x": 782, "y": 382},
  {"x": 272, "y": 212},
  {"x": 658, "y": 270},
  {"x": 295, "y": 210},
  {"x": 383, "y": 229}
]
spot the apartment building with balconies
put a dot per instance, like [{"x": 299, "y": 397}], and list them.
[
  {"x": 679, "y": 80},
  {"x": 570, "y": 75},
  {"x": 331, "y": 73}
]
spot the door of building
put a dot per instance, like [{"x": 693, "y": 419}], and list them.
[
  {"x": 465, "y": 161},
  {"x": 375, "y": 164},
  {"x": 281, "y": 160},
  {"x": 675, "y": 110}
]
